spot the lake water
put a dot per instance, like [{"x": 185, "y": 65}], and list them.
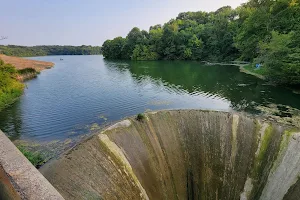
[{"x": 81, "y": 93}]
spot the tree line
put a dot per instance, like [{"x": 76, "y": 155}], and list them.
[
  {"x": 259, "y": 31},
  {"x": 44, "y": 50}
]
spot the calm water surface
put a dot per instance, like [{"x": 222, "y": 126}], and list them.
[{"x": 83, "y": 92}]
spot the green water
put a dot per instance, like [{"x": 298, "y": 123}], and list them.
[{"x": 82, "y": 93}]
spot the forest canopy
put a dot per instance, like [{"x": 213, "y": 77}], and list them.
[
  {"x": 259, "y": 31},
  {"x": 25, "y": 51}
]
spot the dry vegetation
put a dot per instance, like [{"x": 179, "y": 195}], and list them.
[{"x": 22, "y": 63}]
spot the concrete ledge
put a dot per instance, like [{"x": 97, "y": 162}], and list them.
[{"x": 19, "y": 179}]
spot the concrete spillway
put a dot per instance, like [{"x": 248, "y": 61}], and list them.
[{"x": 183, "y": 155}]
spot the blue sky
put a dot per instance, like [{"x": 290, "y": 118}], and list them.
[{"x": 90, "y": 22}]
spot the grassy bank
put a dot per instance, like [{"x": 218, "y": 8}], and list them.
[
  {"x": 35, "y": 158},
  {"x": 22, "y": 63},
  {"x": 13, "y": 71},
  {"x": 250, "y": 69},
  {"x": 245, "y": 67}
]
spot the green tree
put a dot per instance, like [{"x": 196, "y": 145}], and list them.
[
  {"x": 143, "y": 52},
  {"x": 133, "y": 38},
  {"x": 249, "y": 32},
  {"x": 281, "y": 58},
  {"x": 112, "y": 49},
  {"x": 10, "y": 88}
]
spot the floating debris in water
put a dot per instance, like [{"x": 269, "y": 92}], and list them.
[
  {"x": 94, "y": 127},
  {"x": 296, "y": 91},
  {"x": 103, "y": 117},
  {"x": 72, "y": 133},
  {"x": 68, "y": 141},
  {"x": 158, "y": 103},
  {"x": 243, "y": 85}
]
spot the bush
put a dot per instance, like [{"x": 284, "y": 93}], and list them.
[
  {"x": 10, "y": 88},
  {"x": 34, "y": 157},
  {"x": 27, "y": 71},
  {"x": 140, "y": 117}
]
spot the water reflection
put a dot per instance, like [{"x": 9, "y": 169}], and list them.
[
  {"x": 82, "y": 93},
  {"x": 11, "y": 121},
  {"x": 244, "y": 92}
]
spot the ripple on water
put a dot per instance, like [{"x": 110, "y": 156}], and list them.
[{"x": 73, "y": 94}]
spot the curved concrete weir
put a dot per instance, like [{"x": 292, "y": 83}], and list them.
[{"x": 186, "y": 154}]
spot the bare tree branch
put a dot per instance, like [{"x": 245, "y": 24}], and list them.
[{"x": 3, "y": 37}]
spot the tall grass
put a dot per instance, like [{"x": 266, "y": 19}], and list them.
[{"x": 34, "y": 157}]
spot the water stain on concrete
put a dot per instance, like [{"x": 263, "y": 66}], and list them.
[{"x": 183, "y": 154}]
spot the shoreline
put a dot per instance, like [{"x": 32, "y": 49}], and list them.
[
  {"x": 26, "y": 70},
  {"x": 23, "y": 63},
  {"x": 241, "y": 66},
  {"x": 243, "y": 70}
]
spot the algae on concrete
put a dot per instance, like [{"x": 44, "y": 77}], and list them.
[{"x": 184, "y": 154}]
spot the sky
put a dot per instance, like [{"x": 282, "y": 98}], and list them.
[{"x": 89, "y": 22}]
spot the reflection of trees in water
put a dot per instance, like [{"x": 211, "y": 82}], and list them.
[
  {"x": 244, "y": 91},
  {"x": 11, "y": 121}
]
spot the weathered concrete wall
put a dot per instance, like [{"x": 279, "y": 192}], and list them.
[
  {"x": 19, "y": 179},
  {"x": 187, "y": 154},
  {"x": 7, "y": 190}
]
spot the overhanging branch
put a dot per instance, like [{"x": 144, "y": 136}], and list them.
[{"x": 3, "y": 37}]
